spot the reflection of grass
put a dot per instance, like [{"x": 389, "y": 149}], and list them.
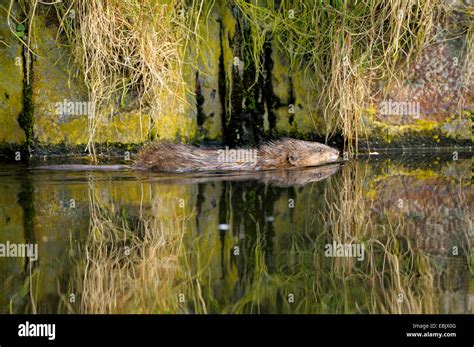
[
  {"x": 164, "y": 263},
  {"x": 131, "y": 270},
  {"x": 401, "y": 276},
  {"x": 394, "y": 277},
  {"x": 322, "y": 285},
  {"x": 25, "y": 298},
  {"x": 397, "y": 277}
]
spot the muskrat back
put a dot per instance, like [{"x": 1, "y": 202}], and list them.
[
  {"x": 169, "y": 157},
  {"x": 282, "y": 154}
]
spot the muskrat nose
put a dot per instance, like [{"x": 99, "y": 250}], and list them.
[{"x": 334, "y": 155}]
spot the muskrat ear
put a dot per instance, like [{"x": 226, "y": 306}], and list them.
[{"x": 292, "y": 158}]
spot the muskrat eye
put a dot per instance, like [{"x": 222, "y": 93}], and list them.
[{"x": 292, "y": 158}]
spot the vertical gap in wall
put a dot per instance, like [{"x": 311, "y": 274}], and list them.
[
  {"x": 268, "y": 94},
  {"x": 201, "y": 117},
  {"x": 222, "y": 85},
  {"x": 26, "y": 117},
  {"x": 237, "y": 126},
  {"x": 291, "y": 101}
]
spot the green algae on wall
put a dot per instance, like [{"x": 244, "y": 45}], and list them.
[
  {"x": 453, "y": 131},
  {"x": 54, "y": 83},
  {"x": 221, "y": 102},
  {"x": 297, "y": 111},
  {"x": 11, "y": 83},
  {"x": 208, "y": 52},
  {"x": 57, "y": 85}
]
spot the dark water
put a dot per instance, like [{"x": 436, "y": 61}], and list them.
[{"x": 389, "y": 234}]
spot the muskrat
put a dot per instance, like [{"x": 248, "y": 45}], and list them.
[{"x": 168, "y": 157}]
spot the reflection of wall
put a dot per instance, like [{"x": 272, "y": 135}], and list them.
[
  {"x": 294, "y": 238},
  {"x": 264, "y": 223},
  {"x": 437, "y": 207},
  {"x": 433, "y": 201},
  {"x": 280, "y": 248},
  {"x": 11, "y": 229},
  {"x": 61, "y": 230}
]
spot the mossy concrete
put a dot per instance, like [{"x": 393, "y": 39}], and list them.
[
  {"x": 211, "y": 106},
  {"x": 454, "y": 130},
  {"x": 57, "y": 79},
  {"x": 11, "y": 227},
  {"x": 11, "y": 83},
  {"x": 206, "y": 81},
  {"x": 298, "y": 112}
]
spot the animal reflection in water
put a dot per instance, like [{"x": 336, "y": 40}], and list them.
[{"x": 278, "y": 178}]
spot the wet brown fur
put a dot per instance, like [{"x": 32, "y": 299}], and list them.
[{"x": 282, "y": 154}]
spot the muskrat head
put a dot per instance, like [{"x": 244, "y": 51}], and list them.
[{"x": 304, "y": 153}]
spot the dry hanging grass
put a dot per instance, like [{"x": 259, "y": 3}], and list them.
[
  {"x": 139, "y": 50},
  {"x": 133, "y": 49},
  {"x": 348, "y": 45}
]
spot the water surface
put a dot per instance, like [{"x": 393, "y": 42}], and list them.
[{"x": 389, "y": 234}]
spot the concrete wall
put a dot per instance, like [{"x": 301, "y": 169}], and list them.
[{"x": 226, "y": 106}]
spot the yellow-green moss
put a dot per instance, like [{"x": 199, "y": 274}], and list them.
[
  {"x": 228, "y": 20},
  {"x": 11, "y": 83},
  {"x": 175, "y": 127},
  {"x": 371, "y": 194},
  {"x": 280, "y": 74},
  {"x": 423, "y": 131},
  {"x": 306, "y": 118},
  {"x": 125, "y": 128},
  {"x": 53, "y": 83},
  {"x": 229, "y": 24},
  {"x": 208, "y": 53}
]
